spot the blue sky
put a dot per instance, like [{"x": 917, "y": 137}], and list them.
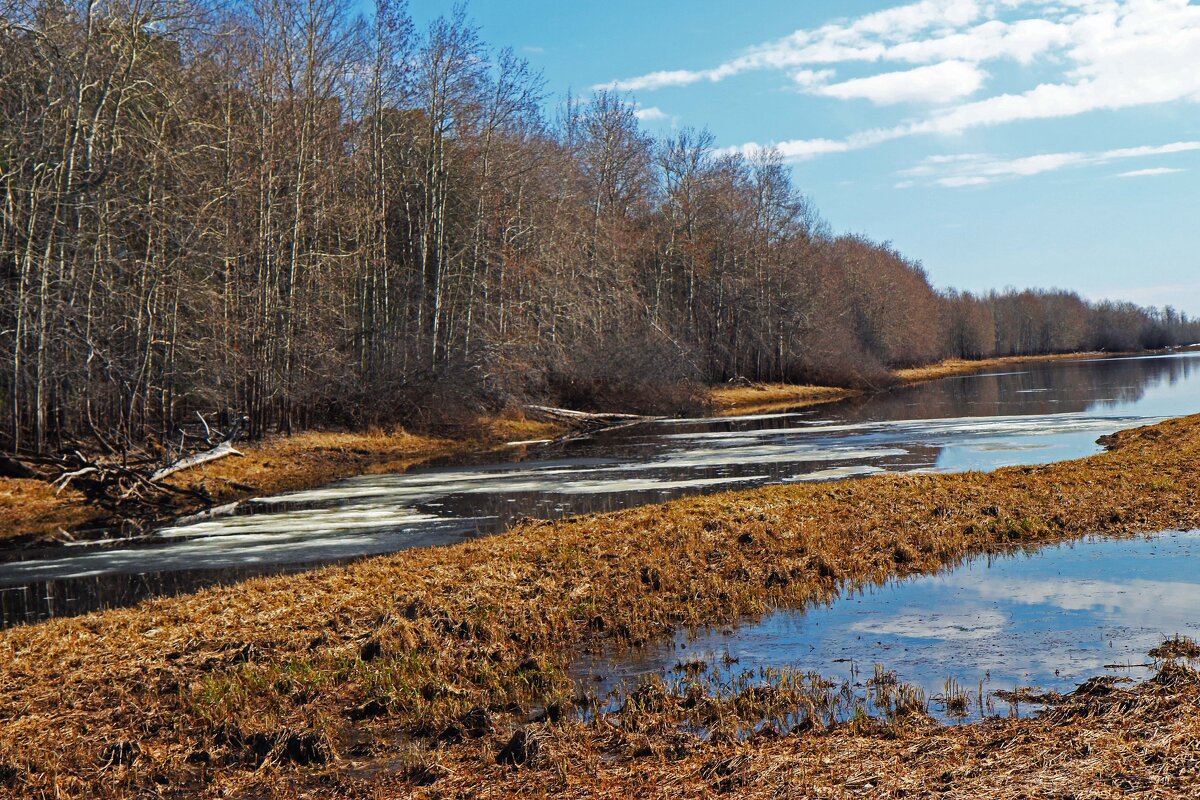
[{"x": 1051, "y": 143}]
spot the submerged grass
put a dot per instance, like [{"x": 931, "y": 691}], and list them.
[{"x": 445, "y": 671}]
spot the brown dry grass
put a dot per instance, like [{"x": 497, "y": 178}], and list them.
[
  {"x": 30, "y": 508},
  {"x": 959, "y": 366},
  {"x": 759, "y": 398},
  {"x": 338, "y": 683}
]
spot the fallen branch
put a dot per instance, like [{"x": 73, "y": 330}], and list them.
[
  {"x": 11, "y": 468},
  {"x": 127, "y": 488},
  {"x": 62, "y": 481},
  {"x": 584, "y": 419},
  {"x": 194, "y": 460}
]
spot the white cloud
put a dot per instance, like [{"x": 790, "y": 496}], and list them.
[
  {"x": 803, "y": 149},
  {"x": 1022, "y": 41},
  {"x": 795, "y": 150},
  {"x": 1143, "y": 173},
  {"x": 938, "y": 83},
  {"x": 810, "y": 79},
  {"x": 915, "y": 17},
  {"x": 846, "y": 41},
  {"x": 977, "y": 169},
  {"x": 651, "y": 114},
  {"x": 1154, "y": 150},
  {"x": 655, "y": 80},
  {"x": 956, "y": 181},
  {"x": 1107, "y": 55},
  {"x": 883, "y": 35}
]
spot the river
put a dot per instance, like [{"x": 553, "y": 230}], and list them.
[{"x": 1036, "y": 413}]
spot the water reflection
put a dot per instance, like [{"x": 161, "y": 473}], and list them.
[
  {"x": 1045, "y": 413},
  {"x": 1049, "y": 620}
]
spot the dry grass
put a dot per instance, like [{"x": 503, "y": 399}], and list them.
[
  {"x": 958, "y": 366},
  {"x": 32, "y": 507},
  {"x": 759, "y": 398},
  {"x": 29, "y": 508},
  {"x": 411, "y": 673}
]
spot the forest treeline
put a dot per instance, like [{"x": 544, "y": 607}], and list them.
[{"x": 282, "y": 209}]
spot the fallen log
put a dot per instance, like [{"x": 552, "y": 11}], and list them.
[
  {"x": 585, "y": 419},
  {"x": 194, "y": 460},
  {"x": 11, "y": 468},
  {"x": 128, "y": 488}
]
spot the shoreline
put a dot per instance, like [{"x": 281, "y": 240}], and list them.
[
  {"x": 31, "y": 513},
  {"x": 369, "y": 677},
  {"x": 757, "y": 398}
]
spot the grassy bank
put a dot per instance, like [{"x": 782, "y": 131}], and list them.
[
  {"x": 759, "y": 398},
  {"x": 412, "y": 672},
  {"x": 31, "y": 509},
  {"x": 762, "y": 398},
  {"x": 959, "y": 366}
]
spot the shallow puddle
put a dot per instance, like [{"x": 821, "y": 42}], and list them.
[{"x": 1048, "y": 620}]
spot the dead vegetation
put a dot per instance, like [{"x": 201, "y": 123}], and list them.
[
  {"x": 30, "y": 509},
  {"x": 34, "y": 509},
  {"x": 746, "y": 397},
  {"x": 963, "y": 366},
  {"x": 444, "y": 671},
  {"x": 759, "y": 398}
]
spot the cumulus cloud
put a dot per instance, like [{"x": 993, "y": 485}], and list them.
[{"x": 651, "y": 114}]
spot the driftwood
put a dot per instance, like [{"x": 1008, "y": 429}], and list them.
[
  {"x": 585, "y": 419},
  {"x": 195, "y": 459},
  {"x": 125, "y": 486}
]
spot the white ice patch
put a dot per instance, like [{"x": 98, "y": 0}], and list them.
[
  {"x": 305, "y": 521},
  {"x": 836, "y": 473},
  {"x": 956, "y": 625},
  {"x": 701, "y": 458}
]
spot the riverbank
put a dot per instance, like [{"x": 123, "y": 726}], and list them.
[
  {"x": 415, "y": 672},
  {"x": 763, "y": 398},
  {"x": 760, "y": 398},
  {"x": 961, "y": 366},
  {"x": 31, "y": 510}
]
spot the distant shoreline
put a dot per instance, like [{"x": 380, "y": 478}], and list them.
[{"x": 758, "y": 398}]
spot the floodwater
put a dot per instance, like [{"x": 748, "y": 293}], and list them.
[
  {"x": 1046, "y": 620},
  {"x": 1035, "y": 414}
]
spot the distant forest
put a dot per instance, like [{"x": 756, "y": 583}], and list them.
[{"x": 279, "y": 208}]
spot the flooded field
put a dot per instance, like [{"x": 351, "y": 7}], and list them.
[
  {"x": 1044, "y": 621},
  {"x": 1046, "y": 412}
]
